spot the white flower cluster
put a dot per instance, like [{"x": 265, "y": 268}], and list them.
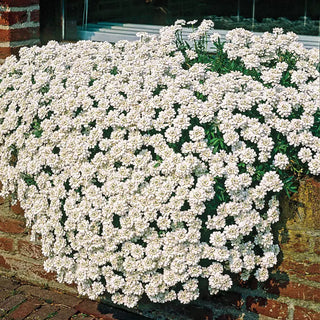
[{"x": 107, "y": 148}]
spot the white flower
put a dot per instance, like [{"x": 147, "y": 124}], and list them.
[
  {"x": 262, "y": 274},
  {"x": 215, "y": 37},
  {"x": 180, "y": 22},
  {"x": 197, "y": 133},
  {"x": 305, "y": 154},
  {"x": 191, "y": 54},
  {"x": 117, "y": 152},
  {"x": 281, "y": 161},
  {"x": 192, "y": 22}
]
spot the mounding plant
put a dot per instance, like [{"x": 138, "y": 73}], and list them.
[{"x": 144, "y": 167}]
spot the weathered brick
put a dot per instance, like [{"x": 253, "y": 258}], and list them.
[
  {"x": 11, "y": 225},
  {"x": 6, "y": 244},
  {"x": 302, "y": 210},
  {"x": 8, "y": 284},
  {"x": 313, "y": 271},
  {"x": 270, "y": 308},
  {"x": 81, "y": 316},
  {"x": 40, "y": 272},
  {"x": 296, "y": 242},
  {"x": 3, "y": 263},
  {"x": 29, "y": 249},
  {"x": 25, "y": 309},
  {"x": 301, "y": 313},
  {"x": 292, "y": 267},
  {"x": 64, "y": 313},
  {"x": 8, "y": 18},
  {"x": 35, "y": 16},
  {"x": 19, "y": 3},
  {"x": 28, "y": 269},
  {"x": 11, "y": 302},
  {"x": 57, "y": 297},
  {"x": 317, "y": 246},
  {"x": 305, "y": 270},
  {"x": 293, "y": 290},
  {"x": 16, "y": 208},
  {"x": 43, "y": 312},
  {"x": 312, "y": 268},
  {"x": 19, "y": 34},
  {"x": 4, "y": 294}
]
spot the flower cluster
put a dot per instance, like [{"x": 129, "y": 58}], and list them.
[{"x": 144, "y": 169}]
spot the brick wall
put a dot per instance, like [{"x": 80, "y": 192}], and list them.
[
  {"x": 19, "y": 256},
  {"x": 19, "y": 25},
  {"x": 292, "y": 293}
]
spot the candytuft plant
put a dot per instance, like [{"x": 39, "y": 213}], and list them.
[{"x": 146, "y": 166}]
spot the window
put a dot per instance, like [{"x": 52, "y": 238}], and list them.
[{"x": 112, "y": 20}]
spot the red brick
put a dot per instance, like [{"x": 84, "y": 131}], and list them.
[
  {"x": 305, "y": 314},
  {"x": 19, "y": 3},
  {"x": 19, "y": 34},
  {"x": 6, "y": 52},
  {"x": 8, "y": 18},
  {"x": 29, "y": 249},
  {"x": 6, "y": 244},
  {"x": 305, "y": 270},
  {"x": 27, "y": 268},
  {"x": 11, "y": 225},
  {"x": 293, "y": 290},
  {"x": 43, "y": 312},
  {"x": 270, "y": 308},
  {"x": 56, "y": 297},
  {"x": 64, "y": 314},
  {"x": 35, "y": 16},
  {"x": 3, "y": 263},
  {"x": 40, "y": 272},
  {"x": 25, "y": 309},
  {"x": 16, "y": 208},
  {"x": 12, "y": 302},
  {"x": 313, "y": 268},
  {"x": 292, "y": 267},
  {"x": 313, "y": 272},
  {"x": 297, "y": 242}
]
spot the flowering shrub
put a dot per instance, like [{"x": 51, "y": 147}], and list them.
[{"x": 146, "y": 166}]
